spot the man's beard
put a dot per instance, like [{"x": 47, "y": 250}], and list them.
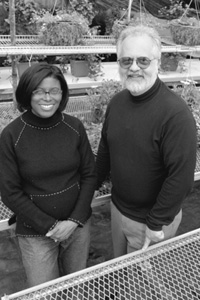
[
  {"x": 133, "y": 86},
  {"x": 137, "y": 87}
]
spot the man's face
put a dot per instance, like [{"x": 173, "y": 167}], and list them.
[{"x": 136, "y": 79}]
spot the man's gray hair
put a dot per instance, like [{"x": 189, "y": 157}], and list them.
[{"x": 140, "y": 30}]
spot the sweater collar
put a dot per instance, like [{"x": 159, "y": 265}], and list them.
[
  {"x": 148, "y": 95},
  {"x": 31, "y": 119}
]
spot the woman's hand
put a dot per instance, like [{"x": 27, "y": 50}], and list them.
[{"x": 62, "y": 230}]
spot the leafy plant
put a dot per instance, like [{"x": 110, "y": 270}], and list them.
[
  {"x": 112, "y": 14},
  {"x": 171, "y": 61},
  {"x": 83, "y": 7},
  {"x": 94, "y": 63},
  {"x": 63, "y": 29},
  {"x": 175, "y": 10},
  {"x": 100, "y": 96},
  {"x": 24, "y": 58},
  {"x": 8, "y": 115},
  {"x": 117, "y": 27},
  {"x": 185, "y": 31},
  {"x": 190, "y": 93},
  {"x": 25, "y": 17}
]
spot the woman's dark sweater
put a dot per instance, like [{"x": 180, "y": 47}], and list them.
[
  {"x": 149, "y": 145},
  {"x": 47, "y": 171}
]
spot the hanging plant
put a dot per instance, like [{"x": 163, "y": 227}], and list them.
[
  {"x": 186, "y": 31},
  {"x": 26, "y": 15},
  {"x": 63, "y": 29}
]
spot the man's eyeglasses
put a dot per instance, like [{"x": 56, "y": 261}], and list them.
[
  {"x": 52, "y": 92},
  {"x": 142, "y": 62}
]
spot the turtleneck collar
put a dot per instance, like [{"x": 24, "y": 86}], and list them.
[
  {"x": 148, "y": 95},
  {"x": 31, "y": 119}
]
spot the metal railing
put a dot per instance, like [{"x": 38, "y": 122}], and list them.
[{"x": 35, "y": 39}]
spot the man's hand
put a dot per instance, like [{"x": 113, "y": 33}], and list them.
[
  {"x": 154, "y": 236},
  {"x": 62, "y": 230},
  {"x": 95, "y": 194}
]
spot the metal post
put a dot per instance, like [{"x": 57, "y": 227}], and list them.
[
  {"x": 129, "y": 11},
  {"x": 13, "y": 43}
]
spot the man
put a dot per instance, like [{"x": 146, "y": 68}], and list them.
[{"x": 148, "y": 145}]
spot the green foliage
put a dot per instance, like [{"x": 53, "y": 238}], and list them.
[
  {"x": 190, "y": 93},
  {"x": 25, "y": 17},
  {"x": 171, "y": 61},
  {"x": 95, "y": 67},
  {"x": 24, "y": 58},
  {"x": 8, "y": 115},
  {"x": 100, "y": 96},
  {"x": 186, "y": 31},
  {"x": 117, "y": 27},
  {"x": 63, "y": 29},
  {"x": 175, "y": 10},
  {"x": 83, "y": 7},
  {"x": 112, "y": 14}
]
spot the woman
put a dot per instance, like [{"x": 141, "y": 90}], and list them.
[{"x": 47, "y": 177}]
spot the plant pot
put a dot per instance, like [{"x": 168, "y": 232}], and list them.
[
  {"x": 22, "y": 66},
  {"x": 185, "y": 34},
  {"x": 169, "y": 63},
  {"x": 79, "y": 68}
]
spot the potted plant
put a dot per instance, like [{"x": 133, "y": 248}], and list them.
[
  {"x": 82, "y": 65},
  {"x": 171, "y": 61},
  {"x": 63, "y": 29},
  {"x": 25, "y": 61}
]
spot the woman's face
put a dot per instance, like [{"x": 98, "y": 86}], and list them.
[{"x": 46, "y": 98}]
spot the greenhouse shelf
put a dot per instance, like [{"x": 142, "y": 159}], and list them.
[
  {"x": 30, "y": 45},
  {"x": 165, "y": 271}
]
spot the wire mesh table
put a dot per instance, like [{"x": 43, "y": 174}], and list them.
[{"x": 168, "y": 271}]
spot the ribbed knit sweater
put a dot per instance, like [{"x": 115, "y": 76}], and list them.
[
  {"x": 47, "y": 171},
  {"x": 149, "y": 145}
]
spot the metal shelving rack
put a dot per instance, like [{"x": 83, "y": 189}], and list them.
[{"x": 30, "y": 45}]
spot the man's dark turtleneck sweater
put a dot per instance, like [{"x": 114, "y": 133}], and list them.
[
  {"x": 149, "y": 145},
  {"x": 47, "y": 171}
]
